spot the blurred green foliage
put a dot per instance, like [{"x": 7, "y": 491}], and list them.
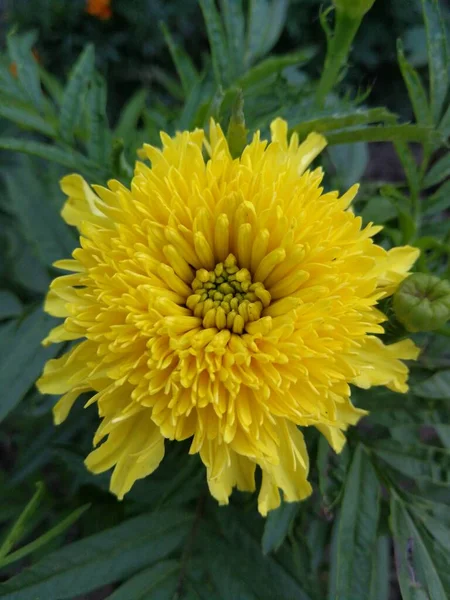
[{"x": 99, "y": 90}]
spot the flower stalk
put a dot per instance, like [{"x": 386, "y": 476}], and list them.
[{"x": 349, "y": 15}]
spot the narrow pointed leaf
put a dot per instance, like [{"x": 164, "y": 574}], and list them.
[
  {"x": 217, "y": 42},
  {"x": 158, "y": 582},
  {"x": 103, "y": 558},
  {"x": 22, "y": 357},
  {"x": 75, "y": 92},
  {"x": 438, "y": 59},
  {"x": 19, "y": 47},
  {"x": 357, "y": 530},
  {"x": 185, "y": 68}
]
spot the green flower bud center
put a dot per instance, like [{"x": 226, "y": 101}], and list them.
[{"x": 226, "y": 297}]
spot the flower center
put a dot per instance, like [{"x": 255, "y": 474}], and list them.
[{"x": 226, "y": 298}]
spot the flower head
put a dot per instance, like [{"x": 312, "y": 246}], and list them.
[
  {"x": 99, "y": 8},
  {"x": 224, "y": 300}
]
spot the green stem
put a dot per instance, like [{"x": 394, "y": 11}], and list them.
[{"x": 337, "y": 53}]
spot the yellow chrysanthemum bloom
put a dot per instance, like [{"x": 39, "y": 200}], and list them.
[{"x": 224, "y": 300}]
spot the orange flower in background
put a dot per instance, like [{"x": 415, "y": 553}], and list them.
[{"x": 99, "y": 8}]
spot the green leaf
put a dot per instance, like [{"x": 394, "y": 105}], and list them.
[
  {"x": 342, "y": 120},
  {"x": 278, "y": 525},
  {"x": 70, "y": 159},
  {"x": 130, "y": 115},
  {"x": 274, "y": 65},
  {"x": 379, "y": 581},
  {"x": 75, "y": 92},
  {"x": 410, "y": 166},
  {"x": 217, "y": 41},
  {"x": 416, "y": 91},
  {"x": 103, "y": 558},
  {"x": 226, "y": 556},
  {"x": 438, "y": 172},
  {"x": 419, "y": 462},
  {"x": 436, "y": 387},
  {"x": 357, "y": 529},
  {"x": 22, "y": 356},
  {"x": 390, "y": 133},
  {"x": 234, "y": 22},
  {"x": 10, "y": 305},
  {"x": 19, "y": 527},
  {"x": 421, "y": 564},
  {"x": 264, "y": 25},
  {"x": 350, "y": 161},
  {"x": 185, "y": 68},
  {"x": 44, "y": 539},
  {"x": 39, "y": 218},
  {"x": 158, "y": 582},
  {"x": 192, "y": 106},
  {"x": 52, "y": 85},
  {"x": 438, "y": 59},
  {"x": 19, "y": 47},
  {"x": 22, "y": 115},
  {"x": 99, "y": 141},
  {"x": 379, "y": 210}
]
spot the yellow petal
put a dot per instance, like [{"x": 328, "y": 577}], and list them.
[
  {"x": 381, "y": 365},
  {"x": 135, "y": 448}
]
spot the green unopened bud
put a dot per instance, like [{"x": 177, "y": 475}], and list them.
[
  {"x": 355, "y": 9},
  {"x": 422, "y": 302},
  {"x": 237, "y": 132}
]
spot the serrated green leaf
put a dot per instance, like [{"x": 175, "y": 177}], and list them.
[
  {"x": 10, "y": 305},
  {"x": 438, "y": 172},
  {"x": 19, "y": 47},
  {"x": 436, "y": 387},
  {"x": 277, "y": 526},
  {"x": 22, "y": 356},
  {"x": 437, "y": 56},
  {"x": 416, "y": 91},
  {"x": 274, "y": 65},
  {"x": 420, "y": 564},
  {"x": 75, "y": 92},
  {"x": 357, "y": 532},
  {"x": 158, "y": 582},
  {"x": 218, "y": 43},
  {"x": 103, "y": 558},
  {"x": 185, "y": 67},
  {"x": 341, "y": 121},
  {"x": 99, "y": 141}
]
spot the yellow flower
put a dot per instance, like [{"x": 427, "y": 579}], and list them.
[{"x": 224, "y": 300}]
